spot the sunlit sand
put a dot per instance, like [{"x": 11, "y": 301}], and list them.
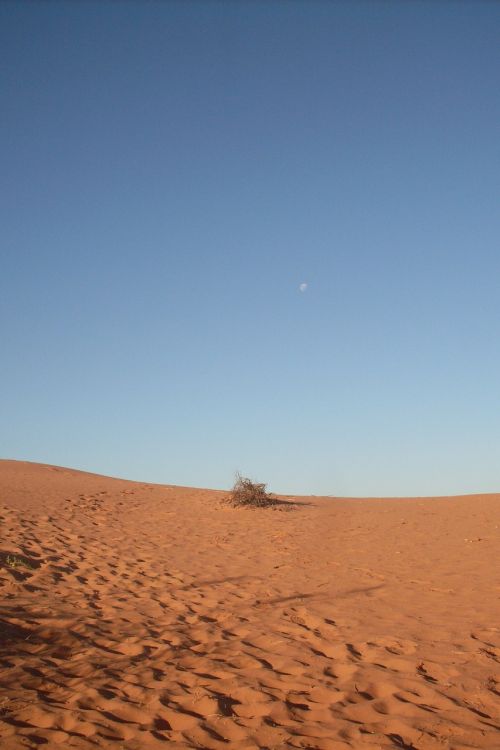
[{"x": 143, "y": 616}]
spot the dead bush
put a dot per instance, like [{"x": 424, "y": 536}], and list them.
[{"x": 253, "y": 494}]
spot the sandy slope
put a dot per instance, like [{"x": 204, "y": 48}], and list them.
[{"x": 157, "y": 617}]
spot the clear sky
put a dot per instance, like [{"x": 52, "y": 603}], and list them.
[{"x": 171, "y": 173}]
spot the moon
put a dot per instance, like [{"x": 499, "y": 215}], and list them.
[{"x": 303, "y": 287}]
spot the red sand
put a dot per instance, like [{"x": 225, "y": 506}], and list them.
[{"x": 156, "y": 616}]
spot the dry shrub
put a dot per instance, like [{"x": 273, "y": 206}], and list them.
[{"x": 253, "y": 494}]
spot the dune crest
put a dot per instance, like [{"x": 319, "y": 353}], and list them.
[{"x": 145, "y": 616}]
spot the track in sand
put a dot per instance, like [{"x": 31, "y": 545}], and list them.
[{"x": 140, "y": 616}]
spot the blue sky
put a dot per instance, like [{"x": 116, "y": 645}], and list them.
[{"x": 171, "y": 174}]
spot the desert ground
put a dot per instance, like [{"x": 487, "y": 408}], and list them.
[{"x": 139, "y": 616}]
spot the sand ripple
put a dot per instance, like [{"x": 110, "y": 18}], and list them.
[{"x": 138, "y": 616}]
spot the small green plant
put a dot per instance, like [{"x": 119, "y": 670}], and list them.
[
  {"x": 14, "y": 561},
  {"x": 253, "y": 494}
]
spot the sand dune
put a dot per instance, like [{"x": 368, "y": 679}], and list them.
[{"x": 154, "y": 616}]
